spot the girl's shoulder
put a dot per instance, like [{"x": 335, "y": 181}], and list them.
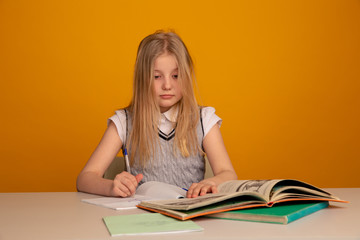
[
  {"x": 119, "y": 116},
  {"x": 209, "y": 118},
  {"x": 119, "y": 119},
  {"x": 206, "y": 110}
]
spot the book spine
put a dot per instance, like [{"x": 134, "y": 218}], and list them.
[{"x": 311, "y": 209}]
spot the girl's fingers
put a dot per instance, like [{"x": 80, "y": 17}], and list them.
[
  {"x": 120, "y": 193},
  {"x": 139, "y": 177},
  {"x": 192, "y": 190},
  {"x": 200, "y": 189},
  {"x": 125, "y": 190},
  {"x": 125, "y": 184},
  {"x": 130, "y": 184},
  {"x": 204, "y": 190},
  {"x": 130, "y": 179},
  {"x": 214, "y": 189}
]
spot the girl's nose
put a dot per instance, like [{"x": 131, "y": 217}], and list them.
[{"x": 167, "y": 83}]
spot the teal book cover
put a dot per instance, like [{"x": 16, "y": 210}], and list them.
[{"x": 280, "y": 213}]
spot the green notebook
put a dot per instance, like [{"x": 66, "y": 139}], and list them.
[
  {"x": 280, "y": 213},
  {"x": 147, "y": 223}
]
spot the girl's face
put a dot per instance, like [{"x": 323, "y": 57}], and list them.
[{"x": 166, "y": 83}]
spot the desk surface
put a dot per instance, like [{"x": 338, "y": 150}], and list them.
[{"x": 63, "y": 216}]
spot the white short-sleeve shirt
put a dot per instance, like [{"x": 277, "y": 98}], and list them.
[{"x": 167, "y": 121}]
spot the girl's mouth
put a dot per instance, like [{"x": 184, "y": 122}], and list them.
[{"x": 166, "y": 96}]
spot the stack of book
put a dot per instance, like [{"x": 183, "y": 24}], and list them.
[{"x": 246, "y": 194}]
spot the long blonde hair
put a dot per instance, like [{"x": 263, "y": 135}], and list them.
[{"x": 144, "y": 108}]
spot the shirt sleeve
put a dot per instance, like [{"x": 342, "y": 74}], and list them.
[
  {"x": 119, "y": 119},
  {"x": 209, "y": 119}
]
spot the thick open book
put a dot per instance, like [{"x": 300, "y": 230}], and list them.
[
  {"x": 147, "y": 191},
  {"x": 240, "y": 194}
]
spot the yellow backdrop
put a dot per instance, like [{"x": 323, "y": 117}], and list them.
[{"x": 284, "y": 76}]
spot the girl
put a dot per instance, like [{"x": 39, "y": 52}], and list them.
[{"x": 163, "y": 129}]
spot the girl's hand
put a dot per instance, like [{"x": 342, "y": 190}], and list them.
[
  {"x": 125, "y": 184},
  {"x": 201, "y": 188}
]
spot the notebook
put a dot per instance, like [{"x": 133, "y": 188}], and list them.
[{"x": 147, "y": 223}]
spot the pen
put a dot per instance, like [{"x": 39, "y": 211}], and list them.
[
  {"x": 185, "y": 189},
  {"x": 127, "y": 161}
]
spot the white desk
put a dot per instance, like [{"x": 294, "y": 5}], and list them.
[{"x": 53, "y": 216}]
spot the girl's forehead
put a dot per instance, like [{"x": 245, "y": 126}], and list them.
[{"x": 165, "y": 61}]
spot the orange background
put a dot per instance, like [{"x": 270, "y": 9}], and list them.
[{"x": 284, "y": 76}]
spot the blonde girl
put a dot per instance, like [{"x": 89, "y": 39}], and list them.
[{"x": 165, "y": 132}]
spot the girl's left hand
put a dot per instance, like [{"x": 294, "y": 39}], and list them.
[{"x": 201, "y": 188}]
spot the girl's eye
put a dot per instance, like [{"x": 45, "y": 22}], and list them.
[
  {"x": 156, "y": 76},
  {"x": 175, "y": 76}
]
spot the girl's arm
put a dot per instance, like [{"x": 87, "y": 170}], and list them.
[
  {"x": 220, "y": 163},
  {"x": 91, "y": 178}
]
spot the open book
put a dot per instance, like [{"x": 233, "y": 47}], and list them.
[
  {"x": 240, "y": 194},
  {"x": 147, "y": 191}
]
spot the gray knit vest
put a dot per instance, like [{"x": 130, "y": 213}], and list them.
[{"x": 176, "y": 170}]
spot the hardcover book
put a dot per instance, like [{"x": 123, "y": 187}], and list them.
[{"x": 280, "y": 214}]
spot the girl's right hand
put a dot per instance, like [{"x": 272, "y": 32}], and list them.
[{"x": 125, "y": 184}]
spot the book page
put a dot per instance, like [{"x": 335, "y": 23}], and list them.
[
  {"x": 276, "y": 189},
  {"x": 118, "y": 203},
  {"x": 160, "y": 190},
  {"x": 262, "y": 187},
  {"x": 297, "y": 189},
  {"x": 201, "y": 201}
]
